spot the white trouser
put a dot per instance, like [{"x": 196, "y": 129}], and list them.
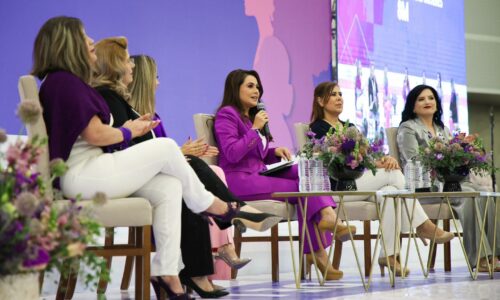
[
  {"x": 155, "y": 170},
  {"x": 386, "y": 181}
]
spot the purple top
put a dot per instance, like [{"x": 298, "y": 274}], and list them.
[
  {"x": 68, "y": 105},
  {"x": 159, "y": 130}
]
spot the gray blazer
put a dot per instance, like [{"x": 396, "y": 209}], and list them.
[{"x": 413, "y": 134}]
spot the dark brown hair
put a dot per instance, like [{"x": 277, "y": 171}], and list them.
[{"x": 322, "y": 91}]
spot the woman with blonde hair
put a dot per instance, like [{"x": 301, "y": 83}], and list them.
[
  {"x": 143, "y": 100},
  {"x": 78, "y": 119},
  {"x": 114, "y": 72}
]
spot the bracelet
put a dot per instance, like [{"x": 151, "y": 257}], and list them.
[{"x": 127, "y": 136}]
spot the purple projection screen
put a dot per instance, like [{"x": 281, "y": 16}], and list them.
[
  {"x": 385, "y": 48},
  {"x": 195, "y": 43}
]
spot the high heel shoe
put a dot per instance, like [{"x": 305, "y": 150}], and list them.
[
  {"x": 444, "y": 237},
  {"x": 382, "y": 262},
  {"x": 233, "y": 261},
  {"x": 244, "y": 217},
  {"x": 331, "y": 274},
  {"x": 159, "y": 284},
  {"x": 187, "y": 281},
  {"x": 342, "y": 233}
]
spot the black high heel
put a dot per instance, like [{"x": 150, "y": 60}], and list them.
[
  {"x": 188, "y": 282},
  {"x": 245, "y": 219},
  {"x": 159, "y": 284}
]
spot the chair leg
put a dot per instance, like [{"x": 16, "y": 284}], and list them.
[
  {"x": 129, "y": 262},
  {"x": 108, "y": 241},
  {"x": 40, "y": 280},
  {"x": 237, "y": 249},
  {"x": 67, "y": 280},
  {"x": 367, "y": 241},
  {"x": 75, "y": 268},
  {"x": 447, "y": 248},
  {"x": 433, "y": 254},
  {"x": 337, "y": 255},
  {"x": 142, "y": 263},
  {"x": 275, "y": 263}
]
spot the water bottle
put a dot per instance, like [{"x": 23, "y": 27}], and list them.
[
  {"x": 426, "y": 179},
  {"x": 418, "y": 172},
  {"x": 304, "y": 174},
  {"x": 326, "y": 179},
  {"x": 316, "y": 173},
  {"x": 409, "y": 172}
]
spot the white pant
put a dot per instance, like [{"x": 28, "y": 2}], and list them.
[
  {"x": 155, "y": 170},
  {"x": 386, "y": 181}
]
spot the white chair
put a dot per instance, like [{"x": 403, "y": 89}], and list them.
[
  {"x": 135, "y": 213},
  {"x": 364, "y": 211},
  {"x": 432, "y": 210},
  {"x": 204, "y": 124}
]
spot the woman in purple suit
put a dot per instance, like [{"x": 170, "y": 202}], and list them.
[{"x": 244, "y": 151}]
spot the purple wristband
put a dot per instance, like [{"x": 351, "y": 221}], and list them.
[{"x": 127, "y": 136}]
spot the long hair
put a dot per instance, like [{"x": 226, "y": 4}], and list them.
[
  {"x": 231, "y": 96},
  {"x": 322, "y": 91},
  {"x": 411, "y": 99},
  {"x": 60, "y": 45},
  {"x": 143, "y": 88},
  {"x": 111, "y": 64}
]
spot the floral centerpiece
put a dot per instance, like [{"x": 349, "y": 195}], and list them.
[
  {"x": 36, "y": 235},
  {"x": 346, "y": 153},
  {"x": 451, "y": 161}
]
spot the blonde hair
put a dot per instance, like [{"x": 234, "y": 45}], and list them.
[
  {"x": 143, "y": 88},
  {"x": 60, "y": 45},
  {"x": 111, "y": 63},
  {"x": 322, "y": 91}
]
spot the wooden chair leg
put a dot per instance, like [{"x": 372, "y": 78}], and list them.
[
  {"x": 447, "y": 248},
  {"x": 142, "y": 262},
  {"x": 75, "y": 268},
  {"x": 275, "y": 263},
  {"x": 337, "y": 255},
  {"x": 129, "y": 262},
  {"x": 108, "y": 242},
  {"x": 433, "y": 254},
  {"x": 40, "y": 280},
  {"x": 237, "y": 249},
  {"x": 367, "y": 241}
]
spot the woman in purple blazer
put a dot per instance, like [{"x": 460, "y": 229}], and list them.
[{"x": 244, "y": 149}]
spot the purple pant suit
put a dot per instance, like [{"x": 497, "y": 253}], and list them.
[{"x": 242, "y": 155}]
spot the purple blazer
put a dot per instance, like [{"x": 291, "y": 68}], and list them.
[{"x": 241, "y": 154}]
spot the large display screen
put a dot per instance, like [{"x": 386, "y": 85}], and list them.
[{"x": 385, "y": 48}]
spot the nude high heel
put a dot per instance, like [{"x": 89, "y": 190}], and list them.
[
  {"x": 444, "y": 237},
  {"x": 332, "y": 273},
  {"x": 342, "y": 233},
  {"x": 382, "y": 263}
]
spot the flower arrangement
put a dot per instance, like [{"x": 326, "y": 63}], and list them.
[
  {"x": 463, "y": 153},
  {"x": 36, "y": 234},
  {"x": 345, "y": 146}
]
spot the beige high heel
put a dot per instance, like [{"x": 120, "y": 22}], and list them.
[
  {"x": 444, "y": 237},
  {"x": 342, "y": 233},
  {"x": 332, "y": 274},
  {"x": 382, "y": 263}
]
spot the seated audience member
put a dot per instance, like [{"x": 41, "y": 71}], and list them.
[
  {"x": 328, "y": 104},
  {"x": 78, "y": 119},
  {"x": 421, "y": 121},
  {"x": 245, "y": 149}
]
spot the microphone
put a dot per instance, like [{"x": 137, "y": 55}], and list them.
[{"x": 265, "y": 129}]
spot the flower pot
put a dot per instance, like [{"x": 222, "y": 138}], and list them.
[
  {"x": 452, "y": 178},
  {"x": 345, "y": 177},
  {"x": 20, "y": 286}
]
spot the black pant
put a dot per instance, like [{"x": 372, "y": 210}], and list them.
[{"x": 196, "y": 247}]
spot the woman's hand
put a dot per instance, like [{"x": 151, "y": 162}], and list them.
[
  {"x": 261, "y": 118},
  {"x": 140, "y": 126},
  {"x": 196, "y": 148},
  {"x": 211, "y": 151},
  {"x": 283, "y": 152},
  {"x": 388, "y": 162}
]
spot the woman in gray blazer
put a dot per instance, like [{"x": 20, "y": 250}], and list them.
[{"x": 421, "y": 121}]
